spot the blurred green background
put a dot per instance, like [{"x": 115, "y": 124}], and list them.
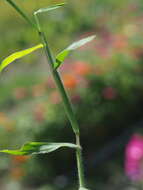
[{"x": 104, "y": 80}]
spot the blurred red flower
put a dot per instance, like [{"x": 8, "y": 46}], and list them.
[
  {"x": 70, "y": 81},
  {"x": 19, "y": 159},
  {"x": 109, "y": 93},
  {"x": 82, "y": 68}
]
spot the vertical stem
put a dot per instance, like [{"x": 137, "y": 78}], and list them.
[
  {"x": 62, "y": 91},
  {"x": 67, "y": 105},
  {"x": 60, "y": 86},
  {"x": 80, "y": 163},
  {"x": 69, "y": 112}
]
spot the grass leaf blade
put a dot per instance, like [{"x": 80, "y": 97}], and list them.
[
  {"x": 39, "y": 148},
  {"x": 50, "y": 8},
  {"x": 18, "y": 55},
  {"x": 62, "y": 55},
  {"x": 80, "y": 43}
]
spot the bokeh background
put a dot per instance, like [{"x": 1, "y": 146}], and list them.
[{"x": 104, "y": 80}]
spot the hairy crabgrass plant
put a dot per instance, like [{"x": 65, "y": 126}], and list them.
[{"x": 46, "y": 147}]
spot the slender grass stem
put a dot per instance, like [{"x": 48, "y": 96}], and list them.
[
  {"x": 80, "y": 163},
  {"x": 56, "y": 76},
  {"x": 68, "y": 109},
  {"x": 60, "y": 86},
  {"x": 22, "y": 13},
  {"x": 67, "y": 104}
]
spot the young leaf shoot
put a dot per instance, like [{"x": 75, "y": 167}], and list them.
[{"x": 62, "y": 55}]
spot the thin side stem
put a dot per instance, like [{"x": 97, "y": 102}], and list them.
[{"x": 22, "y": 13}]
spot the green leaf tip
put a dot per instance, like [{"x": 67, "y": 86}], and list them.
[
  {"x": 18, "y": 55},
  {"x": 62, "y": 55},
  {"x": 50, "y": 8},
  {"x": 39, "y": 148}
]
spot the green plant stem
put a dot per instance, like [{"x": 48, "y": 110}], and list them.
[
  {"x": 79, "y": 159},
  {"x": 68, "y": 109},
  {"x": 62, "y": 91},
  {"x": 67, "y": 105},
  {"x": 22, "y": 13}
]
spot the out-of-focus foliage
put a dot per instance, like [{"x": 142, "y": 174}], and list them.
[{"x": 104, "y": 80}]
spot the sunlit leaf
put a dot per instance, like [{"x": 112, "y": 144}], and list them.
[
  {"x": 50, "y": 8},
  {"x": 62, "y": 55},
  {"x": 38, "y": 148},
  {"x": 83, "y": 188},
  {"x": 18, "y": 55}
]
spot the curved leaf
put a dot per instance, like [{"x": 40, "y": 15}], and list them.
[
  {"x": 50, "y": 8},
  {"x": 62, "y": 55},
  {"x": 39, "y": 148},
  {"x": 18, "y": 55}
]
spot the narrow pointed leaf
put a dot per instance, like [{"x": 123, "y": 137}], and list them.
[
  {"x": 62, "y": 55},
  {"x": 80, "y": 43},
  {"x": 38, "y": 148},
  {"x": 50, "y": 8},
  {"x": 18, "y": 55}
]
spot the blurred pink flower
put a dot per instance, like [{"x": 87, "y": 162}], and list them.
[{"x": 134, "y": 158}]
